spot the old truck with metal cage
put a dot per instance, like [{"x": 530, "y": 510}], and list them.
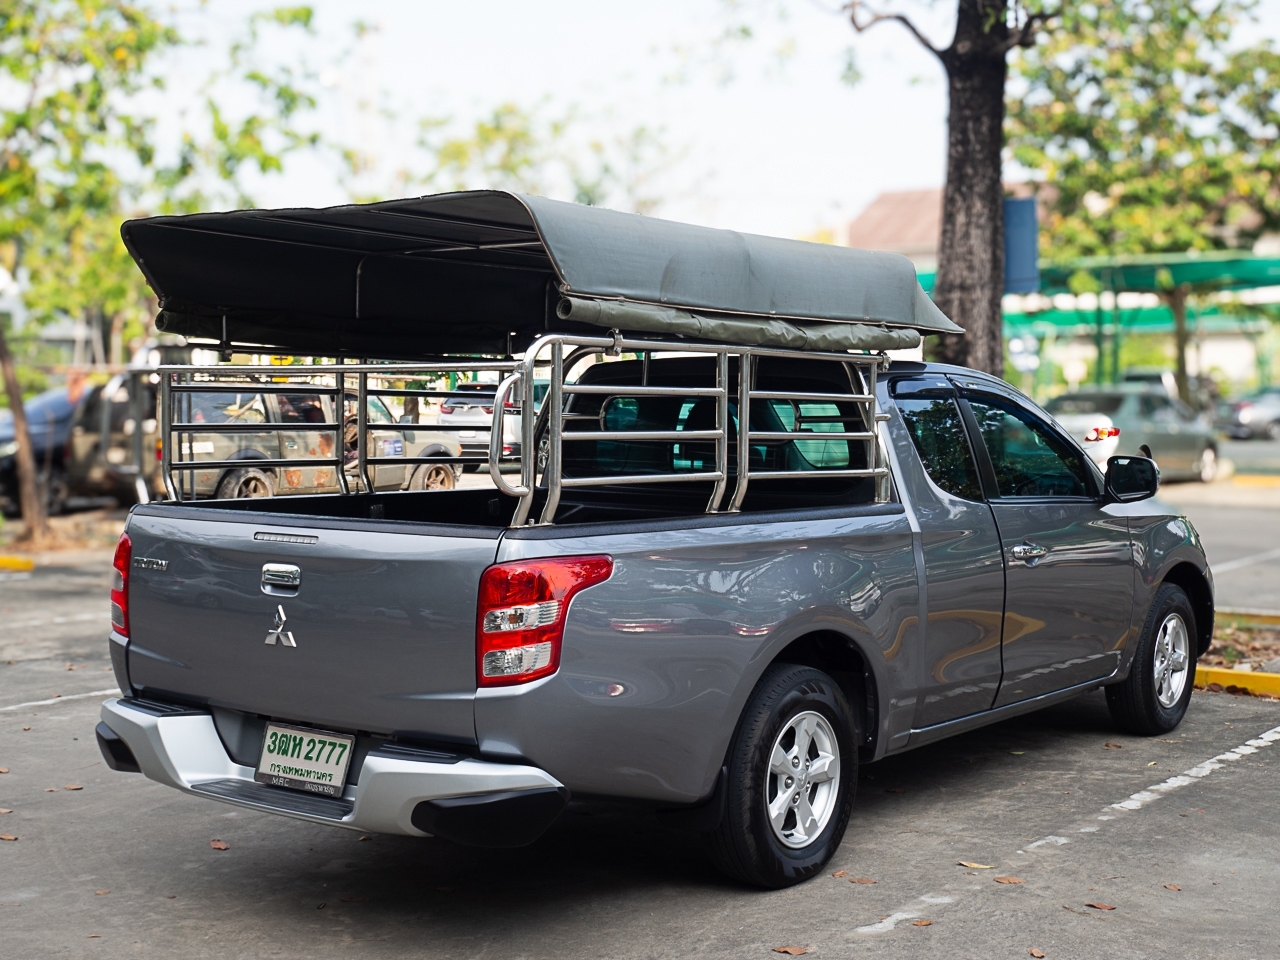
[{"x": 736, "y": 552}]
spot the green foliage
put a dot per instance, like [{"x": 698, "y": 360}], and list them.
[
  {"x": 77, "y": 157},
  {"x": 1156, "y": 130}
]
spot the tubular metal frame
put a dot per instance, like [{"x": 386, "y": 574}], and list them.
[
  {"x": 178, "y": 380},
  {"x": 518, "y": 378}
]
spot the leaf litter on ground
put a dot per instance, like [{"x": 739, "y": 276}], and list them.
[
  {"x": 1100, "y": 906},
  {"x": 975, "y": 866},
  {"x": 219, "y": 844},
  {"x": 1008, "y": 880},
  {"x": 791, "y": 951}
]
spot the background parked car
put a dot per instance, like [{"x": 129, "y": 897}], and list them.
[
  {"x": 49, "y": 417},
  {"x": 386, "y": 439},
  {"x": 1181, "y": 441},
  {"x": 1253, "y": 416}
]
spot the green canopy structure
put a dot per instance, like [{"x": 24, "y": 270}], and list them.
[{"x": 1174, "y": 277}]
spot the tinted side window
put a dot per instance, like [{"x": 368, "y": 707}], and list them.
[
  {"x": 1029, "y": 459},
  {"x": 938, "y": 433}
]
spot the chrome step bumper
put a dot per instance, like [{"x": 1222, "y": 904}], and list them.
[{"x": 183, "y": 750}]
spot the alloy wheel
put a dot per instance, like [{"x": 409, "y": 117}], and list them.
[
  {"x": 804, "y": 779},
  {"x": 1172, "y": 657}
]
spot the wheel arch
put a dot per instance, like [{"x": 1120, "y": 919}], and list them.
[
  {"x": 1196, "y": 587},
  {"x": 838, "y": 656}
]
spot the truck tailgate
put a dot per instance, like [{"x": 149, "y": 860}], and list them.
[{"x": 382, "y": 620}]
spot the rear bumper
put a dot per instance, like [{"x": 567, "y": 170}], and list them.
[{"x": 396, "y": 792}]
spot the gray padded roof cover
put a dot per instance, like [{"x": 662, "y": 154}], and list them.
[{"x": 483, "y": 271}]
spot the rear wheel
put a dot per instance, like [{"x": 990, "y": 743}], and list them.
[
  {"x": 793, "y": 768},
  {"x": 244, "y": 483},
  {"x": 433, "y": 476},
  {"x": 1153, "y": 699},
  {"x": 1273, "y": 430}
]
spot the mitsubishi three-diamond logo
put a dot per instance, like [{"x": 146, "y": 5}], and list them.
[{"x": 278, "y": 631}]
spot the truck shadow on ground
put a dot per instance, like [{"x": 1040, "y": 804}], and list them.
[{"x": 600, "y": 857}]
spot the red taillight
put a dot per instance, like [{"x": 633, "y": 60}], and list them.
[
  {"x": 120, "y": 586},
  {"x": 520, "y": 620},
  {"x": 488, "y": 410},
  {"x": 508, "y": 404},
  {"x": 159, "y": 451},
  {"x": 444, "y": 408},
  {"x": 1101, "y": 433}
]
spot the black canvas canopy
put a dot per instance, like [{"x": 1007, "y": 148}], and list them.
[{"x": 489, "y": 271}]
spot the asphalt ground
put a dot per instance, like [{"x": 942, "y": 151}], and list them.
[{"x": 1032, "y": 798}]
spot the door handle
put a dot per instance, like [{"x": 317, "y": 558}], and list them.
[{"x": 1028, "y": 552}]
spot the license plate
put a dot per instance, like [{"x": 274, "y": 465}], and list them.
[{"x": 312, "y": 760}]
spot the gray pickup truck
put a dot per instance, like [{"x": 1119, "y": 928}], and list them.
[{"x": 744, "y": 553}]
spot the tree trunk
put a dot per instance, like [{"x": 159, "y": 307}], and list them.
[
  {"x": 1177, "y": 301},
  {"x": 29, "y": 500},
  {"x": 970, "y": 281}
]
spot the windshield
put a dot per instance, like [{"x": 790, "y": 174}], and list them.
[{"x": 1104, "y": 403}]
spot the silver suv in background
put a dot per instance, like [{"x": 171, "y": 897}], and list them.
[
  {"x": 1181, "y": 441},
  {"x": 1257, "y": 415}
]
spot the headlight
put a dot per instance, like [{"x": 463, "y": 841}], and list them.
[
  {"x": 8, "y": 449},
  {"x": 1244, "y": 416}
]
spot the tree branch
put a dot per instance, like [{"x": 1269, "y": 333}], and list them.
[
  {"x": 854, "y": 7},
  {"x": 1025, "y": 35}
]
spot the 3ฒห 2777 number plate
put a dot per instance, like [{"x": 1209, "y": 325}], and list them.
[{"x": 312, "y": 760}]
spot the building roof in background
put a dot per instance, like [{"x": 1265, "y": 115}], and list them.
[{"x": 904, "y": 221}]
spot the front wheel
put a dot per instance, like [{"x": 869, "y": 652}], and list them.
[
  {"x": 1153, "y": 699},
  {"x": 793, "y": 768}
]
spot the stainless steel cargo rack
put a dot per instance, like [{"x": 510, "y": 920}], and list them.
[{"x": 544, "y": 436}]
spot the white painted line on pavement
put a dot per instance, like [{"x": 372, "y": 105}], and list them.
[
  {"x": 1199, "y": 771},
  {"x": 77, "y": 618},
  {"x": 110, "y": 691},
  {"x": 1248, "y": 561}
]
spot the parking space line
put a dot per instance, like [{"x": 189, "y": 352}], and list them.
[
  {"x": 1136, "y": 802},
  {"x": 1248, "y": 561},
  {"x": 75, "y": 696},
  {"x": 1198, "y": 772}
]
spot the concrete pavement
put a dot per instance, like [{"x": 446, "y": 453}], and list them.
[{"x": 1033, "y": 798}]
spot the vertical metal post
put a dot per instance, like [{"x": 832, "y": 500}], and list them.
[
  {"x": 340, "y": 441},
  {"x": 746, "y": 372},
  {"x": 528, "y": 430},
  {"x": 362, "y": 417},
  {"x": 555, "y": 426},
  {"x": 166, "y": 436},
  {"x": 722, "y": 424},
  {"x": 872, "y": 415}
]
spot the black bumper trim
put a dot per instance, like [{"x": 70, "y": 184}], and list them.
[
  {"x": 511, "y": 818},
  {"x": 277, "y": 798},
  {"x": 115, "y": 751}
]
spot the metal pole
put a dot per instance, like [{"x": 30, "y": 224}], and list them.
[
  {"x": 722, "y": 424},
  {"x": 555, "y": 424},
  {"x": 746, "y": 368},
  {"x": 166, "y": 437}
]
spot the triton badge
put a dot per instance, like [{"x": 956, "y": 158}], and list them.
[{"x": 279, "y": 632}]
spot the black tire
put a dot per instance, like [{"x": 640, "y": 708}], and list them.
[
  {"x": 472, "y": 467},
  {"x": 246, "y": 482},
  {"x": 57, "y": 490},
  {"x": 1134, "y": 702},
  {"x": 745, "y": 845},
  {"x": 433, "y": 476}
]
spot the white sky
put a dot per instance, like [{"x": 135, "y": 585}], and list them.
[{"x": 780, "y": 149}]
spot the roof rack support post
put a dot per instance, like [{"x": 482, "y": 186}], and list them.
[
  {"x": 166, "y": 448},
  {"x": 722, "y": 424},
  {"x": 362, "y": 423},
  {"x": 746, "y": 370},
  {"x": 555, "y": 427}
]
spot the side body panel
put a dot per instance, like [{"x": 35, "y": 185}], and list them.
[
  {"x": 960, "y": 664},
  {"x": 658, "y": 662}
]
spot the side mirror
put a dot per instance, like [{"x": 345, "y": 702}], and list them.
[{"x": 1131, "y": 478}]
